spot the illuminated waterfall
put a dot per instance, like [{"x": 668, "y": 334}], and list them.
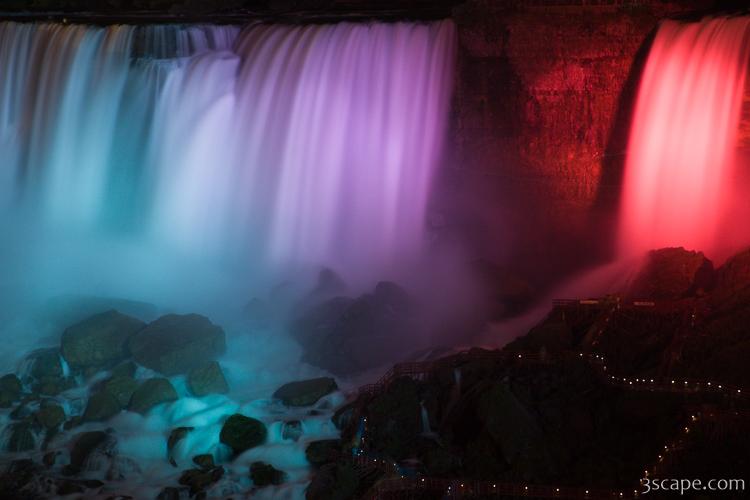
[
  {"x": 276, "y": 144},
  {"x": 683, "y": 183}
]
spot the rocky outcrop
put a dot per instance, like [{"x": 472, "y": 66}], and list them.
[
  {"x": 99, "y": 341},
  {"x": 672, "y": 273},
  {"x": 241, "y": 433},
  {"x": 305, "y": 392},
  {"x": 175, "y": 344}
]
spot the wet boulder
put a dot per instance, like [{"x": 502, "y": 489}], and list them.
[
  {"x": 323, "y": 451},
  {"x": 150, "y": 393},
  {"x": 305, "y": 392},
  {"x": 346, "y": 336},
  {"x": 207, "y": 379},
  {"x": 204, "y": 461},
  {"x": 10, "y": 390},
  {"x": 101, "y": 406},
  {"x": 175, "y": 344},
  {"x": 264, "y": 474},
  {"x": 50, "y": 415},
  {"x": 242, "y": 433},
  {"x": 672, "y": 273},
  {"x": 44, "y": 364},
  {"x": 175, "y": 436},
  {"x": 99, "y": 341},
  {"x": 22, "y": 478},
  {"x": 199, "y": 479},
  {"x": 334, "y": 481},
  {"x": 85, "y": 445},
  {"x": 121, "y": 388},
  {"x": 21, "y": 437}
]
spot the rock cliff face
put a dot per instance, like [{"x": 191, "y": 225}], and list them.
[{"x": 542, "y": 99}]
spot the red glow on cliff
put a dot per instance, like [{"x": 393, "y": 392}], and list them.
[{"x": 682, "y": 167}]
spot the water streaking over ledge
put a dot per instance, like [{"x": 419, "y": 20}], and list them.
[
  {"x": 279, "y": 145},
  {"x": 683, "y": 181}
]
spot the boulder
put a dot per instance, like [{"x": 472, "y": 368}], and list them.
[
  {"x": 305, "y": 392},
  {"x": 175, "y": 344},
  {"x": 50, "y": 415},
  {"x": 242, "y": 433},
  {"x": 22, "y": 479},
  {"x": 323, "y": 451},
  {"x": 335, "y": 481},
  {"x": 21, "y": 437},
  {"x": 101, "y": 406},
  {"x": 11, "y": 384},
  {"x": 346, "y": 336},
  {"x": 150, "y": 393},
  {"x": 10, "y": 390},
  {"x": 52, "y": 386},
  {"x": 734, "y": 274},
  {"x": 45, "y": 364},
  {"x": 204, "y": 461},
  {"x": 208, "y": 379},
  {"x": 99, "y": 341},
  {"x": 173, "y": 493},
  {"x": 121, "y": 388},
  {"x": 198, "y": 480},
  {"x": 64, "y": 310},
  {"x": 672, "y": 273},
  {"x": 264, "y": 474},
  {"x": 126, "y": 369},
  {"x": 84, "y": 445}
]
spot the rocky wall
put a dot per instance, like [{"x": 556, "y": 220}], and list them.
[{"x": 539, "y": 127}]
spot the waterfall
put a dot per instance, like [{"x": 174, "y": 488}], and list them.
[
  {"x": 682, "y": 184},
  {"x": 270, "y": 145},
  {"x": 426, "y": 429}
]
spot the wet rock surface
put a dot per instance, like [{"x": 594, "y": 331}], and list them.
[
  {"x": 207, "y": 379},
  {"x": 672, "y": 273},
  {"x": 241, "y": 433},
  {"x": 347, "y": 335},
  {"x": 263, "y": 474},
  {"x": 305, "y": 392},
  {"x": 175, "y": 344},
  {"x": 150, "y": 393},
  {"x": 99, "y": 341}
]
